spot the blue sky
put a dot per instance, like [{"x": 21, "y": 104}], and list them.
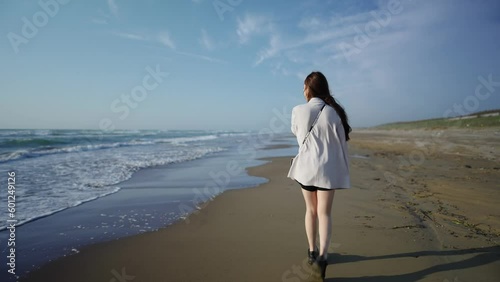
[{"x": 232, "y": 64}]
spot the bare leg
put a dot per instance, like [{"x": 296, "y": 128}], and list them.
[
  {"x": 311, "y": 216},
  {"x": 325, "y": 199}
]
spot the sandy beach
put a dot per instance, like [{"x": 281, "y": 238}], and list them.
[{"x": 424, "y": 206}]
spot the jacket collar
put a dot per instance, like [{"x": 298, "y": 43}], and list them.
[{"x": 316, "y": 100}]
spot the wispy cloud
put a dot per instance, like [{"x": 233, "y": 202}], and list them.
[
  {"x": 131, "y": 36},
  {"x": 275, "y": 46},
  {"x": 251, "y": 25},
  {"x": 101, "y": 18},
  {"x": 162, "y": 38},
  {"x": 206, "y": 41},
  {"x": 397, "y": 55},
  {"x": 113, "y": 7},
  {"x": 165, "y": 39},
  {"x": 315, "y": 30},
  {"x": 278, "y": 68},
  {"x": 318, "y": 33},
  {"x": 202, "y": 57}
]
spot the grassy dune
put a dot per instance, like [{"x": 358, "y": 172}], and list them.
[{"x": 478, "y": 120}]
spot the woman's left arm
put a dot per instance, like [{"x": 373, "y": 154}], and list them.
[{"x": 294, "y": 125}]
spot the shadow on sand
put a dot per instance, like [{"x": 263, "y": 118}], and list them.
[{"x": 483, "y": 256}]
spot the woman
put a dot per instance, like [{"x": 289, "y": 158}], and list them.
[{"x": 321, "y": 166}]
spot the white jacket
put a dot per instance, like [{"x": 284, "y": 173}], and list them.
[{"x": 322, "y": 160}]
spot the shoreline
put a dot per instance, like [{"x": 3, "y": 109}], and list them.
[
  {"x": 257, "y": 234},
  {"x": 152, "y": 198},
  {"x": 210, "y": 210}
]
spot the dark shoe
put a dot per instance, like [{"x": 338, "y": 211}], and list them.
[
  {"x": 322, "y": 263},
  {"x": 318, "y": 270},
  {"x": 311, "y": 256}
]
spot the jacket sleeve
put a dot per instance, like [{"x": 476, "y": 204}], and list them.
[{"x": 294, "y": 125}]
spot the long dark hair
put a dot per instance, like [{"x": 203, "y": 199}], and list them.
[{"x": 317, "y": 85}]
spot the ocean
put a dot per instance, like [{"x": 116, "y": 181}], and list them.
[
  {"x": 79, "y": 187},
  {"x": 60, "y": 169}
]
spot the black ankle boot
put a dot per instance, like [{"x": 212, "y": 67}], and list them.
[
  {"x": 312, "y": 255},
  {"x": 322, "y": 263}
]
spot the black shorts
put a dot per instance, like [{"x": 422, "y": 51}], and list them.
[{"x": 312, "y": 188}]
